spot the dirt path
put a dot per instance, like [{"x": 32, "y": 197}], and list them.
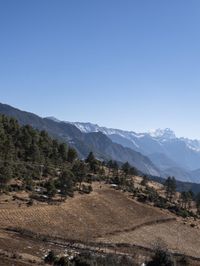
[{"x": 153, "y": 222}]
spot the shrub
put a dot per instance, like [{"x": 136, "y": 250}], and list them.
[
  {"x": 86, "y": 189},
  {"x": 161, "y": 203},
  {"x": 161, "y": 256},
  {"x": 50, "y": 258},
  {"x": 30, "y": 203},
  {"x": 183, "y": 213},
  {"x": 183, "y": 261},
  {"x": 62, "y": 262}
]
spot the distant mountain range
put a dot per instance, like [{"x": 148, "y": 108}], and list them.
[
  {"x": 157, "y": 153},
  {"x": 173, "y": 156},
  {"x": 102, "y": 146}
]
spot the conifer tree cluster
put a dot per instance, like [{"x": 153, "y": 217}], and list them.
[{"x": 26, "y": 153}]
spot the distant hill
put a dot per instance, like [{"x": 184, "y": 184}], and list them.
[
  {"x": 99, "y": 143},
  {"x": 181, "y": 185},
  {"x": 172, "y": 155}
]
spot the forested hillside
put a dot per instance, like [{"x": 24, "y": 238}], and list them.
[
  {"x": 30, "y": 158},
  {"x": 26, "y": 152},
  {"x": 99, "y": 144},
  {"x": 44, "y": 185}
]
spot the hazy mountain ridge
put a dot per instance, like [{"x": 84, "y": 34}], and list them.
[
  {"x": 157, "y": 152},
  {"x": 172, "y": 155},
  {"x": 102, "y": 146},
  {"x": 159, "y": 135}
]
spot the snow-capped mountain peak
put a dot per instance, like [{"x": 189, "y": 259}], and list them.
[
  {"x": 53, "y": 119},
  {"x": 166, "y": 133},
  {"x": 173, "y": 155},
  {"x": 192, "y": 144},
  {"x": 86, "y": 127}
]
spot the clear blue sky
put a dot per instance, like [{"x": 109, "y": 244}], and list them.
[{"x": 131, "y": 64}]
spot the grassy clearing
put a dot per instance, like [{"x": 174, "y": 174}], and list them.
[{"x": 84, "y": 217}]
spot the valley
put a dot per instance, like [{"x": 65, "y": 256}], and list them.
[
  {"x": 55, "y": 205},
  {"x": 158, "y": 153},
  {"x": 99, "y": 133}
]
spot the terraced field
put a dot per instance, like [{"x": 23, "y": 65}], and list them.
[
  {"x": 179, "y": 238},
  {"x": 106, "y": 216},
  {"x": 84, "y": 217}
]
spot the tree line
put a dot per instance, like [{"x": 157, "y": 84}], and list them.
[{"x": 32, "y": 155}]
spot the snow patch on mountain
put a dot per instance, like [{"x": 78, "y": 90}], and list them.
[
  {"x": 192, "y": 144},
  {"x": 172, "y": 155},
  {"x": 164, "y": 134},
  {"x": 53, "y": 119},
  {"x": 158, "y": 135}
]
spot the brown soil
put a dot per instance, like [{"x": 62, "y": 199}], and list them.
[{"x": 105, "y": 215}]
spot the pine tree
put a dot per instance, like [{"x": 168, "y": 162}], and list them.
[
  {"x": 126, "y": 168},
  {"x": 62, "y": 150},
  {"x": 6, "y": 173},
  {"x": 170, "y": 188},
  {"x": 91, "y": 158},
  {"x": 71, "y": 155},
  {"x": 51, "y": 189},
  {"x": 197, "y": 200},
  {"x": 66, "y": 181},
  {"x": 80, "y": 171},
  {"x": 92, "y": 162}
]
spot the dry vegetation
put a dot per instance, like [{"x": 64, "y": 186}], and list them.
[
  {"x": 180, "y": 238},
  {"x": 84, "y": 217},
  {"x": 106, "y": 215}
]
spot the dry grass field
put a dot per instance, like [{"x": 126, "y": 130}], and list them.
[
  {"x": 84, "y": 217},
  {"x": 179, "y": 238},
  {"x": 16, "y": 250},
  {"x": 106, "y": 215}
]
